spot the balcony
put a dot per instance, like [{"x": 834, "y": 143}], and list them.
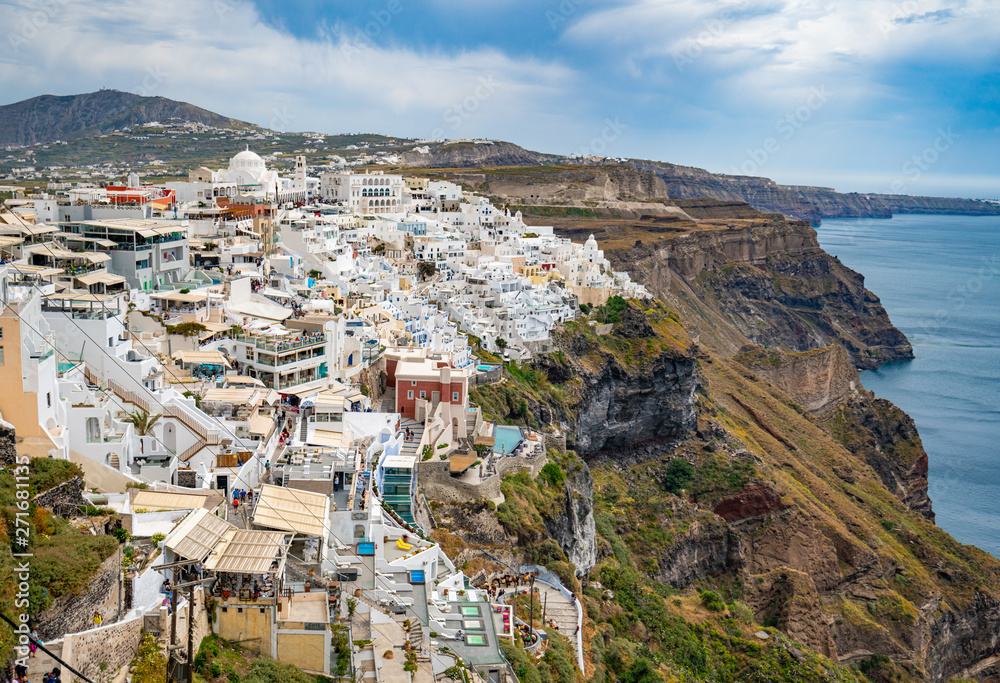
[{"x": 271, "y": 344}]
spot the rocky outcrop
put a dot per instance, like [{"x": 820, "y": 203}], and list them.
[
  {"x": 573, "y": 529},
  {"x": 886, "y": 439},
  {"x": 708, "y": 547},
  {"x": 788, "y": 600},
  {"x": 753, "y": 500},
  {"x": 772, "y": 284},
  {"x": 621, "y": 409},
  {"x": 965, "y": 640},
  {"x": 818, "y": 380},
  {"x": 564, "y": 185}
]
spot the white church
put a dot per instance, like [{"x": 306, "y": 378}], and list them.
[{"x": 247, "y": 174}]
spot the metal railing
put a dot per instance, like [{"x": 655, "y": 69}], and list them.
[{"x": 267, "y": 344}]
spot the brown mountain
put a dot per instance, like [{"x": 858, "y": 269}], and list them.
[{"x": 48, "y": 118}]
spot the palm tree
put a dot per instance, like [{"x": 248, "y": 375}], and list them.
[{"x": 142, "y": 421}]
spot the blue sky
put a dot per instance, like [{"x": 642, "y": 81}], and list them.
[{"x": 860, "y": 95}]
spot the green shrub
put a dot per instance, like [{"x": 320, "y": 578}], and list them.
[
  {"x": 713, "y": 601},
  {"x": 552, "y": 474},
  {"x": 680, "y": 474}
]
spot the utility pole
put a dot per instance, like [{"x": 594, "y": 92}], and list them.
[
  {"x": 173, "y": 632},
  {"x": 190, "y": 666}
]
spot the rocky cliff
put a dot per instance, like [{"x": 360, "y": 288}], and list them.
[
  {"x": 619, "y": 406},
  {"x": 466, "y": 154},
  {"x": 573, "y": 526},
  {"x": 768, "y": 282},
  {"x": 753, "y": 505},
  {"x": 826, "y": 384},
  {"x": 551, "y": 182},
  {"x": 898, "y": 203},
  {"x": 568, "y": 184}
]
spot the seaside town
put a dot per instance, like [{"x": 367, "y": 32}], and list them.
[{"x": 258, "y": 376}]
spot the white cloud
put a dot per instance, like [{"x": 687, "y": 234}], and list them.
[
  {"x": 768, "y": 51},
  {"x": 221, "y": 56}
]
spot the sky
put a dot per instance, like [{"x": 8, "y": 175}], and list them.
[{"x": 859, "y": 95}]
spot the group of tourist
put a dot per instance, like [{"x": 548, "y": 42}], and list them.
[
  {"x": 20, "y": 671},
  {"x": 242, "y": 496},
  {"x": 21, "y": 675}
]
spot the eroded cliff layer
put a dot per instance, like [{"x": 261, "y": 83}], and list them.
[{"x": 768, "y": 282}]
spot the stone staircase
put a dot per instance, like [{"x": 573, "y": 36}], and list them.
[{"x": 412, "y": 446}]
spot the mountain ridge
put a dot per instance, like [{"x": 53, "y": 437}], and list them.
[{"x": 48, "y": 118}]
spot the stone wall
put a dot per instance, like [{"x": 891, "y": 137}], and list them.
[
  {"x": 438, "y": 484},
  {"x": 99, "y": 654},
  {"x": 74, "y": 613},
  {"x": 373, "y": 376},
  {"x": 64, "y": 500}
]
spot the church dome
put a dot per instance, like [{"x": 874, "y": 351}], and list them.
[{"x": 246, "y": 161}]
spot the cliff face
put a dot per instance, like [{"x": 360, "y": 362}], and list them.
[
  {"x": 621, "y": 408},
  {"x": 818, "y": 379},
  {"x": 568, "y": 184},
  {"x": 772, "y": 284},
  {"x": 472, "y": 155},
  {"x": 826, "y": 384},
  {"x": 573, "y": 527},
  {"x": 937, "y": 205}
]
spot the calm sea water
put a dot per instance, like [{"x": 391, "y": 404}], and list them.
[{"x": 939, "y": 279}]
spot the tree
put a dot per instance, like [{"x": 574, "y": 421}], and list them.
[
  {"x": 142, "y": 421},
  {"x": 426, "y": 269},
  {"x": 501, "y": 343},
  {"x": 315, "y": 274},
  {"x": 352, "y": 606}
]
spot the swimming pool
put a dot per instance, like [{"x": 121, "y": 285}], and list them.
[{"x": 507, "y": 438}]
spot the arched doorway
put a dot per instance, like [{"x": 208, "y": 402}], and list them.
[{"x": 170, "y": 437}]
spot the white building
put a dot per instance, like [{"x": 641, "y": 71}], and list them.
[{"x": 367, "y": 194}]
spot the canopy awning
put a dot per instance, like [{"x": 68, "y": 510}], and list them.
[
  {"x": 197, "y": 535},
  {"x": 245, "y": 551},
  {"x": 460, "y": 463},
  {"x": 294, "y": 510},
  {"x": 99, "y": 277}
]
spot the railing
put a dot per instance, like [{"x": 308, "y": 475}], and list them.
[{"x": 291, "y": 345}]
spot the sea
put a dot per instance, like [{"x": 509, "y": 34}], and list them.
[{"x": 939, "y": 279}]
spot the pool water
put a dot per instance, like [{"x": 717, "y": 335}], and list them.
[
  {"x": 473, "y": 639},
  {"x": 507, "y": 438},
  {"x": 470, "y": 611}
]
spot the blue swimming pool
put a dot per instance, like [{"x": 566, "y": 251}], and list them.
[{"x": 507, "y": 438}]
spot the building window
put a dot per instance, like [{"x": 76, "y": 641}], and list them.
[
  {"x": 48, "y": 399},
  {"x": 1, "y": 355},
  {"x": 409, "y": 394},
  {"x": 413, "y": 384},
  {"x": 423, "y": 394},
  {"x": 454, "y": 396}
]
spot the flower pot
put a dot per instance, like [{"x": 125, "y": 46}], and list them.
[{"x": 357, "y": 592}]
